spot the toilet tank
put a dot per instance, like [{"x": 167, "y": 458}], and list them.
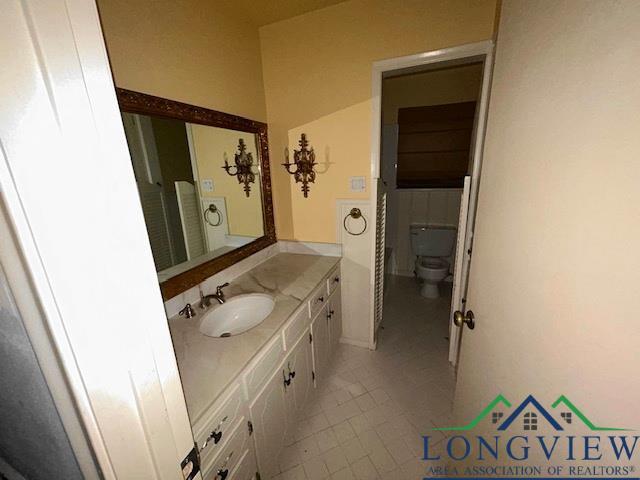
[{"x": 428, "y": 241}]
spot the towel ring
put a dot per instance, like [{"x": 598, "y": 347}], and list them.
[
  {"x": 355, "y": 213},
  {"x": 213, "y": 209}
]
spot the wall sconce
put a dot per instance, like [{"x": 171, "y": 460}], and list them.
[
  {"x": 243, "y": 165},
  {"x": 304, "y": 161}
]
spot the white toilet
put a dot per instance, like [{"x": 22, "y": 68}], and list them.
[{"x": 433, "y": 247}]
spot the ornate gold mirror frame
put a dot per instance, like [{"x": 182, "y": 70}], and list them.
[{"x": 135, "y": 102}]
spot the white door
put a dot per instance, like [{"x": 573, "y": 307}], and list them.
[
  {"x": 321, "y": 343},
  {"x": 146, "y": 169},
  {"x": 379, "y": 253},
  {"x": 556, "y": 265},
  {"x": 189, "y": 208},
  {"x": 460, "y": 273},
  {"x": 298, "y": 367},
  {"x": 69, "y": 191},
  {"x": 269, "y": 417},
  {"x": 335, "y": 320}
]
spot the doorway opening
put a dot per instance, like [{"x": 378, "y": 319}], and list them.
[{"x": 428, "y": 134}]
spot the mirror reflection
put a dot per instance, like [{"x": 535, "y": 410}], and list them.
[{"x": 199, "y": 186}]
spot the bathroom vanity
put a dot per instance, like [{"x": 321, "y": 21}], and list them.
[
  {"x": 246, "y": 365},
  {"x": 244, "y": 393}
]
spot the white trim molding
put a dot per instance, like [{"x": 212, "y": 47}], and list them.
[{"x": 458, "y": 55}]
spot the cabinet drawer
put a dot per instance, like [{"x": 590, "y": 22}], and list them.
[
  {"x": 334, "y": 280},
  {"x": 216, "y": 428},
  {"x": 296, "y": 327},
  {"x": 230, "y": 456},
  {"x": 317, "y": 300},
  {"x": 263, "y": 367},
  {"x": 247, "y": 468}
]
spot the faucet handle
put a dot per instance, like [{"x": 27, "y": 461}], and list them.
[
  {"x": 204, "y": 302},
  {"x": 220, "y": 287},
  {"x": 187, "y": 311}
]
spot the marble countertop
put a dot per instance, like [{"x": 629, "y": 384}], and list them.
[{"x": 208, "y": 365}]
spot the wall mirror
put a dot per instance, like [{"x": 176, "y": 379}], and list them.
[{"x": 204, "y": 185}]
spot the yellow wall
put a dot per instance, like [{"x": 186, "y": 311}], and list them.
[
  {"x": 317, "y": 75},
  {"x": 197, "y": 52},
  {"x": 244, "y": 214},
  {"x": 435, "y": 87}
]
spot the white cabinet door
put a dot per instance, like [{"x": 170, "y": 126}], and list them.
[
  {"x": 335, "y": 317},
  {"x": 269, "y": 417},
  {"x": 321, "y": 344},
  {"x": 298, "y": 368},
  {"x": 247, "y": 470}
]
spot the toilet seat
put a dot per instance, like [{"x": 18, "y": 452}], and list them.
[
  {"x": 433, "y": 263},
  {"x": 431, "y": 270}
]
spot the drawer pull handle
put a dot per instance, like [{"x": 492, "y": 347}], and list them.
[
  {"x": 224, "y": 471},
  {"x": 320, "y": 299},
  {"x": 215, "y": 435},
  {"x": 287, "y": 381}
]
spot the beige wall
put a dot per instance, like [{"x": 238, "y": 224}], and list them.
[
  {"x": 317, "y": 74},
  {"x": 556, "y": 265},
  {"x": 198, "y": 52},
  {"x": 244, "y": 214},
  {"x": 449, "y": 85}
]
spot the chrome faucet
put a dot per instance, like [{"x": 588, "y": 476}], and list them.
[{"x": 205, "y": 300}]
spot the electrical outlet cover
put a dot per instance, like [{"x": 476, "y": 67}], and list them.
[
  {"x": 207, "y": 185},
  {"x": 358, "y": 184}
]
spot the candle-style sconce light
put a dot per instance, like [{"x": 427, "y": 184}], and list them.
[
  {"x": 243, "y": 165},
  {"x": 304, "y": 160}
]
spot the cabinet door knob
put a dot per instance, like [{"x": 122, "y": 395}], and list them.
[
  {"x": 222, "y": 474},
  {"x": 336, "y": 280}
]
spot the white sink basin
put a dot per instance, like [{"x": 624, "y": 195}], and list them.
[{"x": 237, "y": 315}]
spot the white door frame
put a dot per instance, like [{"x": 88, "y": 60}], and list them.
[{"x": 459, "y": 55}]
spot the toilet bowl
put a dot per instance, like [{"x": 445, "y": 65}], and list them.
[
  {"x": 432, "y": 246},
  {"x": 432, "y": 271}
]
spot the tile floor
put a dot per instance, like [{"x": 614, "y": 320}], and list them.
[{"x": 365, "y": 421}]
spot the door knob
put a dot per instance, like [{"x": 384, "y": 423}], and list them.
[{"x": 460, "y": 318}]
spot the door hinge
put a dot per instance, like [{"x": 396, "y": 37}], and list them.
[
  {"x": 191, "y": 464},
  {"x": 250, "y": 427},
  {"x": 310, "y": 338}
]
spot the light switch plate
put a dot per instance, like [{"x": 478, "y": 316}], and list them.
[
  {"x": 358, "y": 184},
  {"x": 207, "y": 185}
]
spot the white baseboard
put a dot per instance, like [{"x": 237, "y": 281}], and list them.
[{"x": 355, "y": 343}]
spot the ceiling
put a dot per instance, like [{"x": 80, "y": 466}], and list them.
[{"x": 264, "y": 12}]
